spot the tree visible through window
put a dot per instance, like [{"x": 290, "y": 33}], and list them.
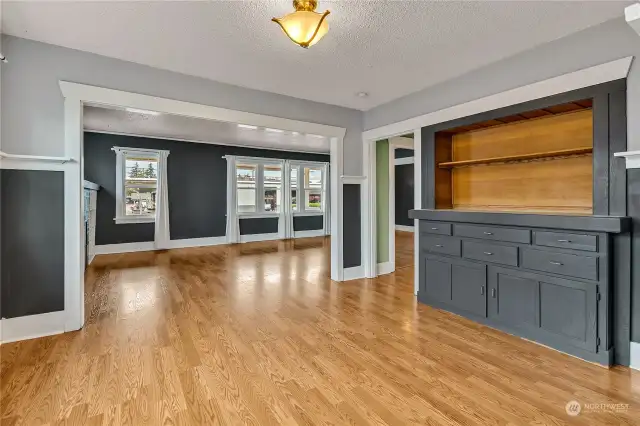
[{"x": 140, "y": 185}]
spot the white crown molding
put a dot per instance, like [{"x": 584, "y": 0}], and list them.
[
  {"x": 632, "y": 16},
  {"x": 632, "y": 158},
  {"x": 586, "y": 77}
]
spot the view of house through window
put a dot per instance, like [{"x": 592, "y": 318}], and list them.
[
  {"x": 272, "y": 187},
  {"x": 140, "y": 184},
  {"x": 294, "y": 189}
]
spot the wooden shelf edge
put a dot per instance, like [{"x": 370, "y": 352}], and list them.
[
  {"x": 521, "y": 157},
  {"x": 61, "y": 160}
]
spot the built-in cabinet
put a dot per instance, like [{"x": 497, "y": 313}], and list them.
[{"x": 523, "y": 218}]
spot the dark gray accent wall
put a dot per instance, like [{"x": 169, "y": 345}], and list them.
[
  {"x": 308, "y": 223},
  {"x": 404, "y": 193},
  {"x": 403, "y": 153},
  {"x": 633, "y": 179},
  {"x": 32, "y": 242},
  {"x": 197, "y": 185},
  {"x": 261, "y": 225},
  {"x": 352, "y": 218}
]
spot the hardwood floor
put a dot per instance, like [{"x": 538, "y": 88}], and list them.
[
  {"x": 404, "y": 249},
  {"x": 258, "y": 334}
]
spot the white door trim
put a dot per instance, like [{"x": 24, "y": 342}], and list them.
[
  {"x": 598, "y": 74},
  {"x": 76, "y": 95}
]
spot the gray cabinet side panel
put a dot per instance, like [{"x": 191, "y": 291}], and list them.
[
  {"x": 32, "y": 246},
  {"x": 352, "y": 218}
]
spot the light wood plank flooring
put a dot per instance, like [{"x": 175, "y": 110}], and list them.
[
  {"x": 404, "y": 249},
  {"x": 258, "y": 334}
]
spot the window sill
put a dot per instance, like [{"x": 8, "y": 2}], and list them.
[
  {"x": 309, "y": 213},
  {"x": 128, "y": 220},
  {"x": 257, "y": 215}
]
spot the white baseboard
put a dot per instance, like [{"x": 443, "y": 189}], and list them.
[
  {"x": 125, "y": 247},
  {"x": 635, "y": 356},
  {"x": 32, "y": 326},
  {"x": 309, "y": 234},
  {"x": 385, "y": 268},
  {"x": 197, "y": 242},
  {"x": 404, "y": 228},
  {"x": 259, "y": 237},
  {"x": 353, "y": 273}
]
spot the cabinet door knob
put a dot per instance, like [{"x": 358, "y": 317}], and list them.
[
  {"x": 482, "y": 290},
  {"x": 488, "y": 253},
  {"x": 564, "y": 241},
  {"x": 488, "y": 233},
  {"x": 438, "y": 245},
  {"x": 493, "y": 293},
  {"x": 555, "y": 263}
]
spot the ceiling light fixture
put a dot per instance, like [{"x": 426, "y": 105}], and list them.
[
  {"x": 362, "y": 94},
  {"x": 247, "y": 126},
  {"x": 305, "y": 26},
  {"x": 142, "y": 111}
]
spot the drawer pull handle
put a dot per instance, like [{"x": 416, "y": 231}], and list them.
[
  {"x": 564, "y": 241},
  {"x": 482, "y": 290},
  {"x": 488, "y": 233},
  {"x": 434, "y": 228},
  {"x": 555, "y": 263},
  {"x": 488, "y": 253},
  {"x": 439, "y": 245},
  {"x": 493, "y": 293}
]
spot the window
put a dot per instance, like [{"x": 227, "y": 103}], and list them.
[
  {"x": 136, "y": 185},
  {"x": 246, "y": 175},
  {"x": 312, "y": 188},
  {"x": 294, "y": 188},
  {"x": 259, "y": 186}
]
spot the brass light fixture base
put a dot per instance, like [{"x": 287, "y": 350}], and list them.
[
  {"x": 305, "y": 26},
  {"x": 305, "y": 5}
]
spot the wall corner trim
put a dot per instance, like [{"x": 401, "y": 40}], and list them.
[
  {"x": 635, "y": 356},
  {"x": 632, "y": 16},
  {"x": 385, "y": 268},
  {"x": 353, "y": 273},
  {"x": 632, "y": 158},
  {"x": 32, "y": 326}
]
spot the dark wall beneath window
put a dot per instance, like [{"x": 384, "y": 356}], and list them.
[
  {"x": 351, "y": 227},
  {"x": 197, "y": 185},
  {"x": 633, "y": 182},
  {"x": 404, "y": 194},
  {"x": 32, "y": 242},
  {"x": 252, "y": 226},
  {"x": 308, "y": 223}
]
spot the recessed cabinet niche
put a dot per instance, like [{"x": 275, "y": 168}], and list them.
[{"x": 536, "y": 161}]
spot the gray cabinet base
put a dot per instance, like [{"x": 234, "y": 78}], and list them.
[{"x": 604, "y": 357}]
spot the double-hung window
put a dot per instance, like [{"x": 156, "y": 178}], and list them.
[
  {"x": 306, "y": 181},
  {"x": 136, "y": 185},
  {"x": 259, "y": 186}
]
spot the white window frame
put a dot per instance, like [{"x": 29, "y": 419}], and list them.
[
  {"x": 300, "y": 188},
  {"x": 121, "y": 154},
  {"x": 259, "y": 163}
]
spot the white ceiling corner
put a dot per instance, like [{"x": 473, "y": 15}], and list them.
[{"x": 385, "y": 48}]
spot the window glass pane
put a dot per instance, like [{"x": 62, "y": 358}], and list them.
[
  {"x": 141, "y": 171},
  {"x": 246, "y": 175},
  {"x": 140, "y": 201},
  {"x": 272, "y": 187},
  {"x": 312, "y": 177},
  {"x": 294, "y": 200},
  {"x": 312, "y": 199},
  {"x": 294, "y": 183}
]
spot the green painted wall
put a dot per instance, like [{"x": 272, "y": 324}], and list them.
[{"x": 382, "y": 200}]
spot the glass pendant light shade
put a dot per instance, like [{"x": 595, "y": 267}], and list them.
[{"x": 304, "y": 27}]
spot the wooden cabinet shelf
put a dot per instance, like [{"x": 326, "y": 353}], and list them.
[{"x": 520, "y": 157}]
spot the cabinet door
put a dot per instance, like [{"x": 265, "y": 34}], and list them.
[
  {"x": 513, "y": 299},
  {"x": 436, "y": 281},
  {"x": 469, "y": 288}
]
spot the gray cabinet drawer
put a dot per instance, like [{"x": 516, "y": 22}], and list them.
[
  {"x": 564, "y": 240},
  {"x": 561, "y": 263},
  {"x": 441, "y": 245},
  {"x": 487, "y": 252},
  {"x": 512, "y": 235},
  {"x": 435, "y": 227}
]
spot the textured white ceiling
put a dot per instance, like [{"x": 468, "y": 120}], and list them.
[
  {"x": 198, "y": 130},
  {"x": 386, "y": 48}
]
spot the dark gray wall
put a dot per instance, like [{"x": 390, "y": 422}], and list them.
[
  {"x": 351, "y": 226},
  {"x": 252, "y": 226},
  {"x": 633, "y": 199},
  {"x": 308, "y": 223},
  {"x": 403, "y": 153},
  {"x": 197, "y": 185},
  {"x": 404, "y": 193},
  {"x": 32, "y": 242}
]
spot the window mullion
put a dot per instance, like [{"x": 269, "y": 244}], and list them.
[{"x": 260, "y": 188}]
